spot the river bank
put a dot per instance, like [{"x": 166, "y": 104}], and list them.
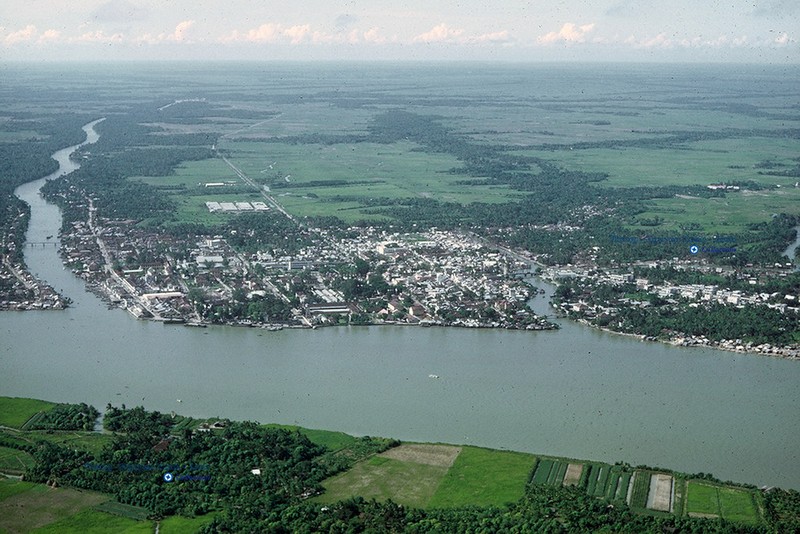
[{"x": 30, "y": 291}]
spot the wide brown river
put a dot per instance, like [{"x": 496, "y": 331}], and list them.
[{"x": 576, "y": 392}]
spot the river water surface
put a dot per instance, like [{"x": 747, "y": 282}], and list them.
[{"x": 577, "y": 392}]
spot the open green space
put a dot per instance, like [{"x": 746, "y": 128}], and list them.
[
  {"x": 358, "y": 172},
  {"x": 184, "y": 525},
  {"x": 404, "y": 482},
  {"x": 738, "y": 505},
  {"x": 702, "y": 498},
  {"x": 10, "y": 487},
  {"x": 39, "y": 506},
  {"x": 14, "y": 461},
  {"x": 123, "y": 510},
  {"x": 484, "y": 477},
  {"x": 95, "y": 522},
  {"x": 733, "y": 504},
  {"x": 728, "y": 215},
  {"x": 14, "y": 412},
  {"x": 696, "y": 163},
  {"x": 87, "y": 441},
  {"x": 641, "y": 489},
  {"x": 193, "y": 174}
]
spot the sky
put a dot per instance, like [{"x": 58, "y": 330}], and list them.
[{"x": 736, "y": 31}]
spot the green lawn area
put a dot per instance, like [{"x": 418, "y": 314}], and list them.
[
  {"x": 701, "y": 162},
  {"x": 702, "y": 498},
  {"x": 15, "y": 411},
  {"x": 738, "y": 505},
  {"x": 374, "y": 171},
  {"x": 26, "y": 509},
  {"x": 382, "y": 478},
  {"x": 10, "y": 487},
  {"x": 193, "y": 173},
  {"x": 184, "y": 525},
  {"x": 88, "y": 441},
  {"x": 13, "y": 460},
  {"x": 727, "y": 215},
  {"x": 94, "y": 522},
  {"x": 484, "y": 477}
]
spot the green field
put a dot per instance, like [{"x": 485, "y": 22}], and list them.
[
  {"x": 94, "y": 522},
  {"x": 381, "y": 478},
  {"x": 123, "y": 510},
  {"x": 727, "y": 215},
  {"x": 194, "y": 173},
  {"x": 641, "y": 489},
  {"x": 711, "y": 500},
  {"x": 14, "y": 461},
  {"x": 184, "y": 525},
  {"x": 435, "y": 476},
  {"x": 26, "y": 508},
  {"x": 88, "y": 441},
  {"x": 373, "y": 171},
  {"x": 701, "y": 162},
  {"x": 14, "y": 412},
  {"x": 484, "y": 477}
]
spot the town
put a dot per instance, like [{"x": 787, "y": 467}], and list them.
[{"x": 429, "y": 278}]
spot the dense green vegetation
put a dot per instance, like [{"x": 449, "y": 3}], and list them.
[
  {"x": 64, "y": 417},
  {"x": 214, "y": 484}
]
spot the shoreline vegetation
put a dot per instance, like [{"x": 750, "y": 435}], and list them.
[{"x": 139, "y": 462}]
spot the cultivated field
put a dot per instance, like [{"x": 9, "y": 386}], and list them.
[
  {"x": 711, "y": 500},
  {"x": 14, "y": 412},
  {"x": 24, "y": 508},
  {"x": 431, "y": 476}
]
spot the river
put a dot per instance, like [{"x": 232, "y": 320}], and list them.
[{"x": 576, "y": 392}]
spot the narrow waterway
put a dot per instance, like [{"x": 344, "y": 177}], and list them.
[{"x": 577, "y": 392}]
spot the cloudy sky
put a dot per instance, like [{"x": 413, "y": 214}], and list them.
[{"x": 760, "y": 31}]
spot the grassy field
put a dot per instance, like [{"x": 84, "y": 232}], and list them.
[
  {"x": 184, "y": 525},
  {"x": 194, "y": 173},
  {"x": 404, "y": 482},
  {"x": 701, "y": 162},
  {"x": 123, "y": 510},
  {"x": 484, "y": 477},
  {"x": 726, "y": 215},
  {"x": 24, "y": 509},
  {"x": 88, "y": 441},
  {"x": 14, "y": 461},
  {"x": 94, "y": 522},
  {"x": 372, "y": 171},
  {"x": 15, "y": 411},
  {"x": 641, "y": 489},
  {"x": 711, "y": 500}
]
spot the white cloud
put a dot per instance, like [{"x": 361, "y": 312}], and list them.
[
  {"x": 179, "y": 34},
  {"x": 99, "y": 36},
  {"x": 494, "y": 37},
  {"x": 180, "y": 30},
  {"x": 373, "y": 35},
  {"x": 49, "y": 36},
  {"x": 569, "y": 33},
  {"x": 297, "y": 34},
  {"x": 438, "y": 34},
  {"x": 273, "y": 33},
  {"x": 784, "y": 39},
  {"x": 28, "y": 33}
]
